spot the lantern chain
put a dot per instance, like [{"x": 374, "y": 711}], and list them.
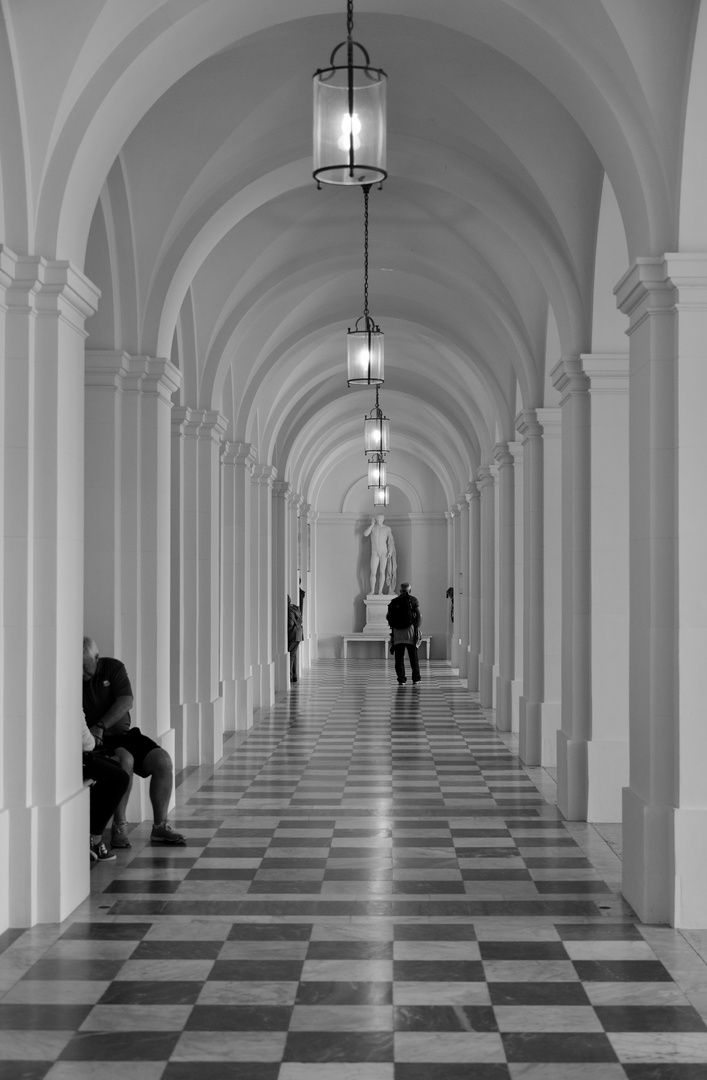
[
  {"x": 349, "y": 19},
  {"x": 366, "y": 190}
]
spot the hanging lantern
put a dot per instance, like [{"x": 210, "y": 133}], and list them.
[
  {"x": 377, "y": 472},
  {"x": 376, "y": 431},
  {"x": 349, "y": 117},
  {"x": 364, "y": 347},
  {"x": 381, "y": 496}
]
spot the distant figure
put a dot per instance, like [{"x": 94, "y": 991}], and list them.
[
  {"x": 295, "y": 634},
  {"x": 404, "y": 618},
  {"x": 384, "y": 566},
  {"x": 450, "y": 596}
]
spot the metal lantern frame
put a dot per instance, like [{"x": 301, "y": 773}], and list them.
[
  {"x": 376, "y": 430},
  {"x": 349, "y": 137},
  {"x": 377, "y": 477},
  {"x": 364, "y": 347}
]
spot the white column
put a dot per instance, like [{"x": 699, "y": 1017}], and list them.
[
  {"x": 487, "y": 659},
  {"x": 282, "y": 499},
  {"x": 198, "y": 712},
  {"x": 455, "y": 527},
  {"x": 506, "y": 586},
  {"x": 665, "y": 805},
  {"x": 263, "y": 478},
  {"x": 451, "y": 630},
  {"x": 517, "y": 681},
  {"x": 608, "y": 756},
  {"x": 474, "y": 496},
  {"x": 310, "y": 621},
  {"x": 575, "y": 732},
  {"x": 303, "y": 563},
  {"x": 539, "y": 706},
  {"x": 127, "y": 531},
  {"x": 236, "y": 673},
  {"x": 44, "y": 821},
  {"x": 462, "y": 600}
]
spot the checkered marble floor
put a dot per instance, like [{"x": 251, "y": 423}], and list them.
[{"x": 373, "y": 888}]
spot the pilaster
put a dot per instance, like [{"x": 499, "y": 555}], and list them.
[
  {"x": 462, "y": 600},
  {"x": 473, "y": 493},
  {"x": 572, "y": 756},
  {"x": 454, "y": 538},
  {"x": 665, "y": 812},
  {"x": 237, "y": 460},
  {"x": 283, "y": 501},
  {"x": 198, "y": 711},
  {"x": 487, "y": 487},
  {"x": 262, "y": 478},
  {"x": 43, "y": 307},
  {"x": 608, "y": 750},
  {"x": 506, "y": 586}
]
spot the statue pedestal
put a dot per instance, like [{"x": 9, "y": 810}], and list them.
[{"x": 376, "y": 610}]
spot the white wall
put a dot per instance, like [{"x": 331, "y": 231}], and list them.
[{"x": 342, "y": 570}]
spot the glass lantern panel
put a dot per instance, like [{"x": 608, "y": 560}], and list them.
[
  {"x": 350, "y": 145},
  {"x": 376, "y": 435},
  {"x": 365, "y": 357},
  {"x": 376, "y": 474},
  {"x": 381, "y": 496}
]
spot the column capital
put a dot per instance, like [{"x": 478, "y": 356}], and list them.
[
  {"x": 237, "y": 453},
  {"x": 486, "y": 477},
  {"x": 528, "y": 424},
  {"x": 568, "y": 377},
  {"x": 103, "y": 367},
  {"x": 660, "y": 278},
  {"x": 199, "y": 423},
  {"x": 607, "y": 372},
  {"x": 264, "y": 475},
  {"x": 502, "y": 455},
  {"x": 462, "y": 504},
  {"x": 312, "y": 516},
  {"x": 151, "y": 375},
  {"x": 49, "y": 286},
  {"x": 451, "y": 514},
  {"x": 472, "y": 490},
  {"x": 282, "y": 489}
]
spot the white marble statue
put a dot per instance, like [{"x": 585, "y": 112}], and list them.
[{"x": 384, "y": 567}]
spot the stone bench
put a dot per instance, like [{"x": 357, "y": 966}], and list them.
[{"x": 383, "y": 638}]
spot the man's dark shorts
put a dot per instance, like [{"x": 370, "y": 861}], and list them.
[{"x": 137, "y": 745}]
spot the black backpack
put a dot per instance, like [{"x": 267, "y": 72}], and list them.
[{"x": 400, "y": 613}]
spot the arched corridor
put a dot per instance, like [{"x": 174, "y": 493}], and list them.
[
  {"x": 180, "y": 450},
  {"x": 374, "y": 886}
]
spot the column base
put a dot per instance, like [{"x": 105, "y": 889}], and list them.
[
  {"x": 463, "y": 662},
  {"x": 648, "y": 866},
  {"x": 504, "y": 704},
  {"x": 264, "y": 686},
  {"x": 690, "y": 898},
  {"x": 244, "y": 703},
  {"x": 516, "y": 691},
  {"x": 486, "y": 675},
  {"x": 455, "y": 651},
  {"x": 45, "y": 849},
  {"x": 608, "y": 774},
  {"x": 538, "y": 724},
  {"x": 572, "y": 795},
  {"x": 472, "y": 676},
  {"x": 282, "y": 671}
]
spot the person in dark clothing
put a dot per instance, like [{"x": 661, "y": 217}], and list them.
[
  {"x": 110, "y": 783},
  {"x": 295, "y": 634},
  {"x": 107, "y": 701},
  {"x": 404, "y": 618}
]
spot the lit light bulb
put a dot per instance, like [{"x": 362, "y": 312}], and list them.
[{"x": 350, "y": 123}]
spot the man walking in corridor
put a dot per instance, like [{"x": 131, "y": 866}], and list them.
[{"x": 404, "y": 618}]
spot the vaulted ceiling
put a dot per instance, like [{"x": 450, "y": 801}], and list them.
[{"x": 528, "y": 141}]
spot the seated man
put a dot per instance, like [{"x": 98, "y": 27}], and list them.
[
  {"x": 107, "y": 700},
  {"x": 109, "y": 784}
]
